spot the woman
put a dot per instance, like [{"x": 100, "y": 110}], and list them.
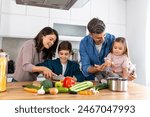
[{"x": 35, "y": 51}]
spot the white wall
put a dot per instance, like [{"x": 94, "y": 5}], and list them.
[
  {"x": 148, "y": 47},
  {"x": 136, "y": 35}
]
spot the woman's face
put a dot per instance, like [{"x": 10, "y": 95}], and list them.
[
  {"x": 64, "y": 55},
  {"x": 118, "y": 48},
  {"x": 49, "y": 40}
]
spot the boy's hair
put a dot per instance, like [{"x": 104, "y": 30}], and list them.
[
  {"x": 96, "y": 26},
  {"x": 123, "y": 41},
  {"x": 65, "y": 45}
]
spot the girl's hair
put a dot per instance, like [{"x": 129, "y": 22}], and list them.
[
  {"x": 47, "y": 53},
  {"x": 123, "y": 41},
  {"x": 65, "y": 45}
]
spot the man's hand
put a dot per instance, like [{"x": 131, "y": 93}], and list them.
[{"x": 100, "y": 67}]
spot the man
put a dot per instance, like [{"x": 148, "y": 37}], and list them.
[{"x": 94, "y": 48}]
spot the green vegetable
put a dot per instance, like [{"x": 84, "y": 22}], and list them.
[
  {"x": 31, "y": 86},
  {"x": 62, "y": 89},
  {"x": 81, "y": 86},
  {"x": 58, "y": 84},
  {"x": 46, "y": 84},
  {"x": 101, "y": 86}
]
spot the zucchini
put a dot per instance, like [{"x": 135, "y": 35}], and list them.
[
  {"x": 62, "y": 89},
  {"x": 81, "y": 86},
  {"x": 101, "y": 86}
]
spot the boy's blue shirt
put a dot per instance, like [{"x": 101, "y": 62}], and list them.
[
  {"x": 89, "y": 54},
  {"x": 72, "y": 68}
]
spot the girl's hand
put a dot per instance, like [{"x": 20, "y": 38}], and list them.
[{"x": 132, "y": 76}]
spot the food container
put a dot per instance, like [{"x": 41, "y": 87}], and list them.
[
  {"x": 3, "y": 71},
  {"x": 117, "y": 84}
]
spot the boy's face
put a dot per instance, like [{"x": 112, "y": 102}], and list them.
[{"x": 64, "y": 55}]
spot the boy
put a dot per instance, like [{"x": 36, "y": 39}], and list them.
[{"x": 62, "y": 65}]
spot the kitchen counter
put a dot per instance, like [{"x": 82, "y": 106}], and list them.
[{"x": 135, "y": 92}]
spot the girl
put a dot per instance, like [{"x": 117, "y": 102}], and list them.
[
  {"x": 35, "y": 51},
  {"x": 62, "y": 65},
  {"x": 117, "y": 61}
]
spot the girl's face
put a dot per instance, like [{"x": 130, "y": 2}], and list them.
[
  {"x": 64, "y": 55},
  {"x": 49, "y": 40},
  {"x": 118, "y": 48}
]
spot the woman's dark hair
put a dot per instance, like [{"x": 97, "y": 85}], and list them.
[
  {"x": 65, "y": 45},
  {"x": 96, "y": 26},
  {"x": 47, "y": 53},
  {"x": 123, "y": 41}
]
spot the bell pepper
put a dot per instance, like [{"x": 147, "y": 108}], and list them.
[{"x": 68, "y": 82}]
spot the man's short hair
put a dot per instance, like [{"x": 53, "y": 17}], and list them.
[{"x": 96, "y": 26}]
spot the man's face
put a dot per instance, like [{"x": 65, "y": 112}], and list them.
[{"x": 98, "y": 38}]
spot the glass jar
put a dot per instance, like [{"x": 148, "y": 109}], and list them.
[{"x": 3, "y": 71}]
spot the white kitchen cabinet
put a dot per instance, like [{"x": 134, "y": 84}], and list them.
[
  {"x": 71, "y": 22},
  {"x": 0, "y": 10},
  {"x": 0, "y": 5},
  {"x": 60, "y": 14},
  {"x": 82, "y": 13},
  {"x": 21, "y": 26},
  {"x": 99, "y": 8},
  {"x": 117, "y": 30},
  {"x": 117, "y": 12},
  {"x": 78, "y": 14},
  {"x": 10, "y": 7},
  {"x": 37, "y": 11}
]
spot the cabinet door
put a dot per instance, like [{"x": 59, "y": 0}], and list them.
[
  {"x": 37, "y": 11},
  {"x": 0, "y": 9},
  {"x": 21, "y": 26},
  {"x": 10, "y": 7},
  {"x": 82, "y": 14},
  {"x": 60, "y": 14},
  {"x": 99, "y": 8}
]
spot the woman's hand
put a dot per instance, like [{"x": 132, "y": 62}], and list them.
[{"x": 47, "y": 73}]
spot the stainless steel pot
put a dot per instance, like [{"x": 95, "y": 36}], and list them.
[{"x": 117, "y": 84}]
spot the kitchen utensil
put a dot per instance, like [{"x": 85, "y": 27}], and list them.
[
  {"x": 58, "y": 77},
  {"x": 117, "y": 84}
]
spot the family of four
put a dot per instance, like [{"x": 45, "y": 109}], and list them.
[{"x": 102, "y": 55}]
